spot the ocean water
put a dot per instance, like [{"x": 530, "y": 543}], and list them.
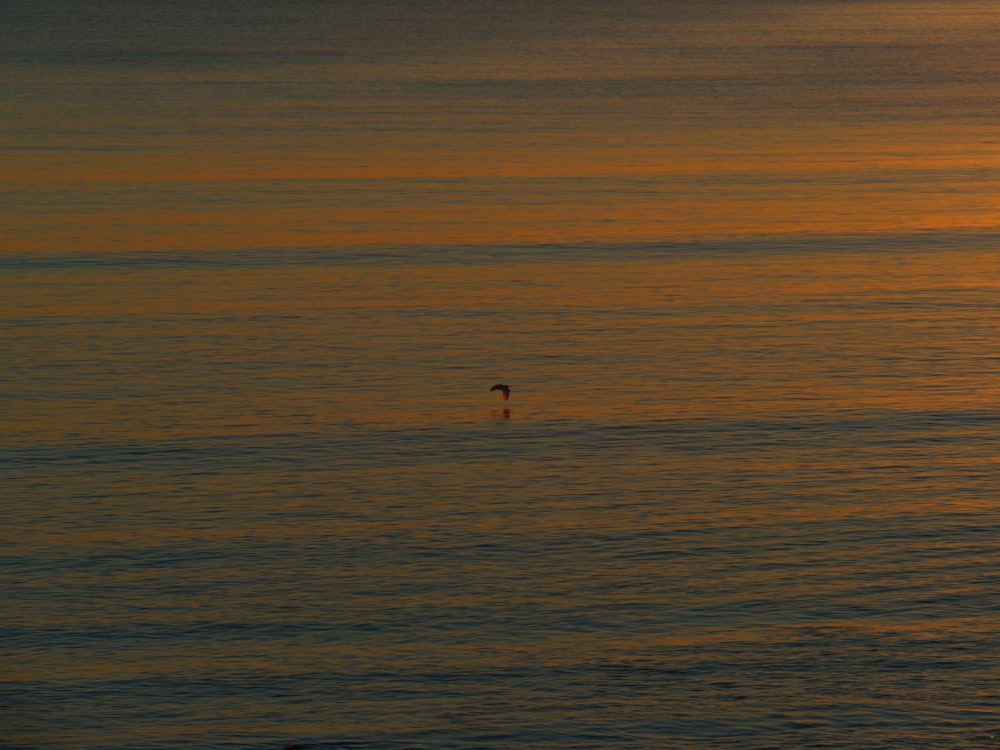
[{"x": 262, "y": 263}]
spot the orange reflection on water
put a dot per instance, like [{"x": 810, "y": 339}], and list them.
[
  {"x": 682, "y": 336},
  {"x": 597, "y": 186}
]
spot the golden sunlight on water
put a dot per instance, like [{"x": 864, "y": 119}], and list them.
[
  {"x": 818, "y": 119},
  {"x": 742, "y": 495},
  {"x": 772, "y": 181},
  {"x": 685, "y": 335},
  {"x": 262, "y": 263}
]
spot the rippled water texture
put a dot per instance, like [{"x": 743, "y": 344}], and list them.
[{"x": 262, "y": 264}]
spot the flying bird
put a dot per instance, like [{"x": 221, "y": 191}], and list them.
[{"x": 504, "y": 389}]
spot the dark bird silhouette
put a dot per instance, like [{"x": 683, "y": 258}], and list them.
[{"x": 504, "y": 389}]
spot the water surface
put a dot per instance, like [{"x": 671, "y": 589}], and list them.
[{"x": 262, "y": 264}]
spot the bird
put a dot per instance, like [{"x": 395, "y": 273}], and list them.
[{"x": 504, "y": 389}]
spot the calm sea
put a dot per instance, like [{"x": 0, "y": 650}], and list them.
[{"x": 262, "y": 262}]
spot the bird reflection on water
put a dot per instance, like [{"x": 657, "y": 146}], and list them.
[{"x": 505, "y": 392}]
